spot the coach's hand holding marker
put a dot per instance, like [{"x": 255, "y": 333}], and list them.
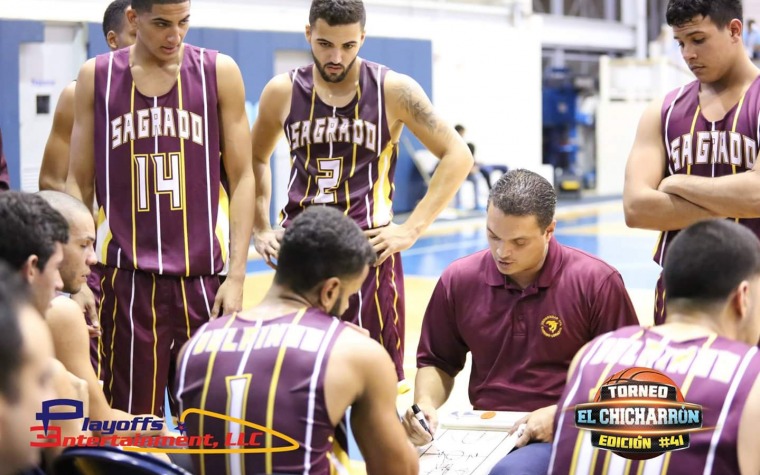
[
  {"x": 420, "y": 424},
  {"x": 420, "y": 416}
]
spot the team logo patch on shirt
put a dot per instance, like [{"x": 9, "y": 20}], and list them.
[{"x": 551, "y": 326}]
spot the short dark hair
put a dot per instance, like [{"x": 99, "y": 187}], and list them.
[
  {"x": 143, "y": 6},
  {"x": 113, "y": 18},
  {"x": 521, "y": 192},
  {"x": 30, "y": 227},
  {"x": 708, "y": 260},
  {"x": 338, "y": 12},
  {"x": 721, "y": 12},
  {"x": 321, "y": 243},
  {"x": 13, "y": 294}
]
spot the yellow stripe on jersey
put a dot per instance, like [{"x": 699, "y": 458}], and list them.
[
  {"x": 685, "y": 389},
  {"x": 381, "y": 189},
  {"x": 308, "y": 186},
  {"x": 182, "y": 179},
  {"x": 155, "y": 345},
  {"x": 691, "y": 132},
  {"x": 132, "y": 173},
  {"x": 377, "y": 302},
  {"x": 348, "y": 198},
  {"x": 204, "y": 393},
  {"x": 222, "y": 230},
  {"x": 591, "y": 395},
  {"x": 184, "y": 305},
  {"x": 273, "y": 393},
  {"x": 113, "y": 331},
  {"x": 104, "y": 236}
]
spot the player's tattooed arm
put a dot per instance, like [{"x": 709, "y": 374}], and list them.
[
  {"x": 418, "y": 107},
  {"x": 407, "y": 104}
]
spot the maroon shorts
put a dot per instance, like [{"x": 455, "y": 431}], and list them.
[
  {"x": 379, "y": 308},
  {"x": 146, "y": 318}
]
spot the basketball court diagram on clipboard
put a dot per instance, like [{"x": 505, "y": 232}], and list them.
[{"x": 468, "y": 444}]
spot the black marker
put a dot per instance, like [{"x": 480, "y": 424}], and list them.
[{"x": 420, "y": 416}]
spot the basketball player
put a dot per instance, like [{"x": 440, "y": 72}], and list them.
[
  {"x": 118, "y": 33},
  {"x": 692, "y": 146},
  {"x": 342, "y": 116},
  {"x": 26, "y": 375},
  {"x": 155, "y": 125},
  {"x": 288, "y": 365},
  {"x": 523, "y": 308},
  {"x": 707, "y": 346}
]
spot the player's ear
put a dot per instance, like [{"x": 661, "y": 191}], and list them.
[
  {"x": 550, "y": 229},
  {"x": 741, "y": 300},
  {"x": 131, "y": 15},
  {"x": 330, "y": 293},
  {"x": 29, "y": 269},
  {"x": 307, "y": 32},
  {"x": 111, "y": 40},
  {"x": 735, "y": 29}
]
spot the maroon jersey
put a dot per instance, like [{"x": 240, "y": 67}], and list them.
[
  {"x": 157, "y": 169},
  {"x": 712, "y": 371},
  {"x": 522, "y": 340},
  {"x": 270, "y": 373},
  {"x": 696, "y": 146},
  {"x": 341, "y": 156}
]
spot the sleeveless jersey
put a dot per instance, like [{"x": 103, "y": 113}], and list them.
[
  {"x": 341, "y": 156},
  {"x": 696, "y": 146},
  {"x": 158, "y": 169},
  {"x": 712, "y": 371},
  {"x": 269, "y": 373}
]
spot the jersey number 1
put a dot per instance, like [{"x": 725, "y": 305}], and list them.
[{"x": 167, "y": 175}]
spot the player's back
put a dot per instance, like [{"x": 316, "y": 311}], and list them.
[
  {"x": 270, "y": 373},
  {"x": 697, "y": 146},
  {"x": 714, "y": 372},
  {"x": 342, "y": 156},
  {"x": 157, "y": 167}
]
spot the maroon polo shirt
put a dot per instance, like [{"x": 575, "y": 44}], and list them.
[{"x": 522, "y": 340}]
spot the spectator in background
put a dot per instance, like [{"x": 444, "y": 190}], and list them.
[
  {"x": 5, "y": 182},
  {"x": 483, "y": 169},
  {"x": 752, "y": 39}
]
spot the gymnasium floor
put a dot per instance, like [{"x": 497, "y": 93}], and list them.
[{"x": 598, "y": 228}]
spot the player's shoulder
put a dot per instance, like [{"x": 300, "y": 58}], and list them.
[
  {"x": 64, "y": 314},
  {"x": 355, "y": 345}
]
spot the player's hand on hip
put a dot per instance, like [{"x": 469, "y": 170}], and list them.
[
  {"x": 86, "y": 300},
  {"x": 414, "y": 430},
  {"x": 389, "y": 240},
  {"x": 229, "y": 297},
  {"x": 538, "y": 426},
  {"x": 267, "y": 243}
]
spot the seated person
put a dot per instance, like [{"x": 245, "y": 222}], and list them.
[
  {"x": 523, "y": 308},
  {"x": 712, "y": 279},
  {"x": 290, "y": 365}
]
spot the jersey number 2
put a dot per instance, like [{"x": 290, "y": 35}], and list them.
[
  {"x": 167, "y": 175},
  {"x": 328, "y": 180}
]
